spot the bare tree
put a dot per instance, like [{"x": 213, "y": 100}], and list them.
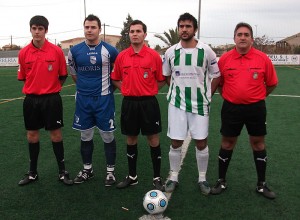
[{"x": 264, "y": 44}]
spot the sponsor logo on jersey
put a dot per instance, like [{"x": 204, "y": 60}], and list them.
[
  {"x": 93, "y": 59},
  {"x": 177, "y": 73},
  {"x": 89, "y": 68},
  {"x": 145, "y": 75}
]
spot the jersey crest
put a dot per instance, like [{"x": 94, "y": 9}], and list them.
[{"x": 93, "y": 59}]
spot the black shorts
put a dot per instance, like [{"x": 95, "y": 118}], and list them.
[
  {"x": 140, "y": 114},
  {"x": 43, "y": 111},
  {"x": 235, "y": 116}
]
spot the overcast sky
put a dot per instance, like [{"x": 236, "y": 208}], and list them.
[{"x": 275, "y": 18}]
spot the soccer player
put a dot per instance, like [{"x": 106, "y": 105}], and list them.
[
  {"x": 138, "y": 75},
  {"x": 42, "y": 67},
  {"x": 91, "y": 63},
  {"x": 193, "y": 76},
  {"x": 247, "y": 78}
]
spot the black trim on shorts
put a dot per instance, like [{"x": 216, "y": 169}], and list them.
[
  {"x": 43, "y": 95},
  {"x": 137, "y": 98}
]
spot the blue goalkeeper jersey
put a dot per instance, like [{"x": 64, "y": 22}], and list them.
[{"x": 92, "y": 65}]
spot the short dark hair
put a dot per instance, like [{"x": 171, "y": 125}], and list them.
[
  {"x": 40, "y": 21},
  {"x": 92, "y": 17},
  {"x": 188, "y": 16},
  {"x": 135, "y": 22},
  {"x": 243, "y": 24}
]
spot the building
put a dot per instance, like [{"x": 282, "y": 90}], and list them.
[
  {"x": 10, "y": 47},
  {"x": 111, "y": 39},
  {"x": 289, "y": 43}
]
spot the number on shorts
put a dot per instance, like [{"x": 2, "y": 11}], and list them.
[{"x": 111, "y": 122}]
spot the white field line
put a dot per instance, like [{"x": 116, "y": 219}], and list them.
[
  {"x": 2, "y": 101},
  {"x": 184, "y": 149},
  {"x": 164, "y": 93}
]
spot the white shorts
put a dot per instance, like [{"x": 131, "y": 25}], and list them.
[{"x": 180, "y": 122}]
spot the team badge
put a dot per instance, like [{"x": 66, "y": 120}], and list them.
[
  {"x": 255, "y": 75},
  {"x": 93, "y": 59},
  {"x": 145, "y": 75},
  {"x": 50, "y": 67}
]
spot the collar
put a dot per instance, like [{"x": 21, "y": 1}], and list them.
[
  {"x": 92, "y": 47},
  {"x": 43, "y": 48},
  {"x": 199, "y": 45},
  {"x": 141, "y": 53},
  {"x": 237, "y": 55}
]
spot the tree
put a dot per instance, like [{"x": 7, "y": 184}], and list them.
[
  {"x": 264, "y": 44},
  {"x": 157, "y": 47},
  {"x": 124, "y": 42},
  {"x": 170, "y": 38}
]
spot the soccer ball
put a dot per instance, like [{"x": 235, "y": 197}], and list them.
[{"x": 155, "y": 202}]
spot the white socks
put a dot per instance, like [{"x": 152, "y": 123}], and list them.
[
  {"x": 202, "y": 163},
  {"x": 175, "y": 162}
]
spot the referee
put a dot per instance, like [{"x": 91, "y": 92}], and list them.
[
  {"x": 138, "y": 75},
  {"x": 247, "y": 78},
  {"x": 42, "y": 67}
]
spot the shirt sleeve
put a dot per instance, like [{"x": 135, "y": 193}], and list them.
[
  {"x": 116, "y": 73},
  {"x": 63, "y": 64},
  {"x": 21, "y": 70},
  {"x": 72, "y": 64},
  {"x": 271, "y": 76},
  {"x": 114, "y": 55},
  {"x": 221, "y": 65},
  {"x": 159, "y": 70},
  {"x": 213, "y": 68},
  {"x": 166, "y": 65}
]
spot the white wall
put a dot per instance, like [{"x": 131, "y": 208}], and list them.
[
  {"x": 277, "y": 59},
  {"x": 13, "y": 61}
]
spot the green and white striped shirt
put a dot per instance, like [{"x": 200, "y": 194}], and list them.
[{"x": 191, "y": 71}]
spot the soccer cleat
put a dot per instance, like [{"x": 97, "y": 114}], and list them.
[
  {"x": 28, "y": 178},
  {"x": 128, "y": 181},
  {"x": 220, "y": 186},
  {"x": 110, "y": 179},
  {"x": 157, "y": 183},
  {"x": 204, "y": 187},
  {"x": 64, "y": 177},
  {"x": 170, "y": 185},
  {"x": 84, "y": 175},
  {"x": 265, "y": 191}
]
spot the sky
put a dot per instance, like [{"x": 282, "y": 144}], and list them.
[{"x": 277, "y": 19}]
